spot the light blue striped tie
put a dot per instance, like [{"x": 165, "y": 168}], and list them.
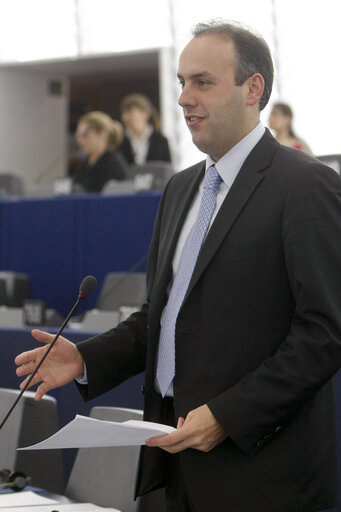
[{"x": 166, "y": 358}]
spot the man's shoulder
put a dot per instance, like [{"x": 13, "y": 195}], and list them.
[
  {"x": 193, "y": 170},
  {"x": 185, "y": 179},
  {"x": 297, "y": 161}
]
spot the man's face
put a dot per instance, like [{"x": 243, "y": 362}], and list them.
[{"x": 214, "y": 107}]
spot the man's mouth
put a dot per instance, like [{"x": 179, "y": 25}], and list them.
[{"x": 193, "y": 120}]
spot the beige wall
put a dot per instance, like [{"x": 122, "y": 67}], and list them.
[{"x": 32, "y": 126}]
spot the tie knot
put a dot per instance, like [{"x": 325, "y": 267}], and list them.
[{"x": 212, "y": 178}]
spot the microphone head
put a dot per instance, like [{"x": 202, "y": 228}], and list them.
[{"x": 88, "y": 285}]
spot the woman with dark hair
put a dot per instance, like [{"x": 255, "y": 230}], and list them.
[
  {"x": 280, "y": 121},
  {"x": 98, "y": 135},
  {"x": 143, "y": 141}
]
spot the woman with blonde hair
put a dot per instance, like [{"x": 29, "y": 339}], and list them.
[
  {"x": 143, "y": 141},
  {"x": 98, "y": 135}
]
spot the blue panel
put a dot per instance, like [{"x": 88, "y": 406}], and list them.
[
  {"x": 59, "y": 241},
  {"x": 113, "y": 234},
  {"x": 40, "y": 241}
]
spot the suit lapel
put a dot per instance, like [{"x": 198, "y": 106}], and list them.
[
  {"x": 248, "y": 179},
  {"x": 181, "y": 207},
  {"x": 180, "y": 202}
]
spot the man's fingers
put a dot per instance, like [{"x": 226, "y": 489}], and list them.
[
  {"x": 34, "y": 381},
  {"x": 167, "y": 440},
  {"x": 41, "y": 390},
  {"x": 42, "y": 336},
  {"x": 200, "y": 430},
  {"x": 34, "y": 355},
  {"x": 181, "y": 421},
  {"x": 170, "y": 445},
  {"x": 25, "y": 369},
  {"x": 24, "y": 358}
]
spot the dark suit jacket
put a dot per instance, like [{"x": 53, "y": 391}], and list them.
[
  {"x": 158, "y": 149},
  {"x": 258, "y": 337}
]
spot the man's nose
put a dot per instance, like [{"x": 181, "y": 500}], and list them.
[{"x": 187, "y": 97}]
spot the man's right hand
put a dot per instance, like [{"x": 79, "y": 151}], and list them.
[{"x": 63, "y": 364}]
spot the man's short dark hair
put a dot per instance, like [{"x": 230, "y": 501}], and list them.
[{"x": 252, "y": 52}]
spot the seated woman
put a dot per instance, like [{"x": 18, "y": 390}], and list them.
[
  {"x": 143, "y": 141},
  {"x": 98, "y": 135},
  {"x": 280, "y": 121}
]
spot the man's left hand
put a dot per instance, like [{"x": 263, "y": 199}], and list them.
[{"x": 200, "y": 430}]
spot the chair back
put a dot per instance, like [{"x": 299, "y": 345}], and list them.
[
  {"x": 106, "y": 476},
  {"x": 116, "y": 188},
  {"x": 2, "y": 293},
  {"x": 121, "y": 289},
  {"x": 150, "y": 176},
  {"x": 17, "y": 286},
  {"x": 334, "y": 161},
  {"x": 29, "y": 423},
  {"x": 11, "y": 185}
]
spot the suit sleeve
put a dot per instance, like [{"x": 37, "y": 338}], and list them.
[{"x": 265, "y": 400}]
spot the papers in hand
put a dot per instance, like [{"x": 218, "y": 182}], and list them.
[{"x": 83, "y": 432}]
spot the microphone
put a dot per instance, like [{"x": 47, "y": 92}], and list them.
[
  {"x": 13, "y": 479},
  {"x": 87, "y": 286}
]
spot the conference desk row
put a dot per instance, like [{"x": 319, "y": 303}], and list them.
[{"x": 57, "y": 241}]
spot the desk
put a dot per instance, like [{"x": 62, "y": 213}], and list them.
[{"x": 57, "y": 241}]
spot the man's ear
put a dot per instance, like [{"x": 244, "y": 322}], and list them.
[{"x": 255, "y": 88}]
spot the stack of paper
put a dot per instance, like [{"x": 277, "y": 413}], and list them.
[
  {"x": 60, "y": 507},
  {"x": 23, "y": 498},
  {"x": 83, "y": 432}
]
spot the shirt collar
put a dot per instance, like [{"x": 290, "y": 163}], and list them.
[{"x": 230, "y": 164}]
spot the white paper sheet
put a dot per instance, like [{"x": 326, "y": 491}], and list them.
[
  {"x": 24, "y": 498},
  {"x": 83, "y": 432},
  {"x": 58, "y": 507}
]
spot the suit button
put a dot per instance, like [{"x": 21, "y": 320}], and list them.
[
  {"x": 260, "y": 444},
  {"x": 277, "y": 429}
]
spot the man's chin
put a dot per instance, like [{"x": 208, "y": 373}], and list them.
[{"x": 200, "y": 144}]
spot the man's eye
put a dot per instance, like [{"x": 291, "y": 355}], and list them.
[
  {"x": 181, "y": 84},
  {"x": 202, "y": 83}
]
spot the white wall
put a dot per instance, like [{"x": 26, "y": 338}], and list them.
[
  {"x": 309, "y": 42},
  {"x": 33, "y": 126}
]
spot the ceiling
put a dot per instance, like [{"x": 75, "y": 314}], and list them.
[{"x": 108, "y": 63}]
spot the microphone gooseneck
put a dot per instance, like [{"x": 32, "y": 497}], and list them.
[{"x": 87, "y": 286}]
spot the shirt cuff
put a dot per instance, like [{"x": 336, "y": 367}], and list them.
[{"x": 83, "y": 377}]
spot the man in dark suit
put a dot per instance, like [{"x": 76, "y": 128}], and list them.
[{"x": 257, "y": 334}]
